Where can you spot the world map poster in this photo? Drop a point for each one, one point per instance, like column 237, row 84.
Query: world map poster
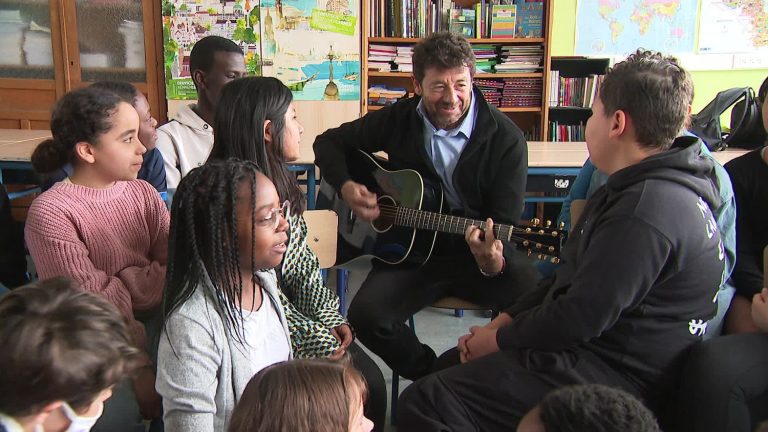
column 733, row 26
column 619, row 27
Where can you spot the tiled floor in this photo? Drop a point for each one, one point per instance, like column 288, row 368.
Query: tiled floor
column 437, row 327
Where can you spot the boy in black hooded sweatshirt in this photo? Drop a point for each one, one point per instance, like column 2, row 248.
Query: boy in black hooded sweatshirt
column 640, row 272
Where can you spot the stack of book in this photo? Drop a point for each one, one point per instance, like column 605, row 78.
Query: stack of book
column 521, row 92
column 380, row 57
column 380, row 94
column 486, row 57
column 403, row 59
column 520, row 59
column 491, row 90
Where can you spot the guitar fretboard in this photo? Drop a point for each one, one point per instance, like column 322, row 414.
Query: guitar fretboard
column 420, row 219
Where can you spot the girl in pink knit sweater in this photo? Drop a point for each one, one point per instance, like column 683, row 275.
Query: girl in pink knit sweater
column 102, row 227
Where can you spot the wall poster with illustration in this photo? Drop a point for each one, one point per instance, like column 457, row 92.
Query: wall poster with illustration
column 311, row 45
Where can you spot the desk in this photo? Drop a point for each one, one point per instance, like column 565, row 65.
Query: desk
column 558, row 163
column 16, row 147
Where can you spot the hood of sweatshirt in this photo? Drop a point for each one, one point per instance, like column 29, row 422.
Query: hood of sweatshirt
column 187, row 116
column 685, row 156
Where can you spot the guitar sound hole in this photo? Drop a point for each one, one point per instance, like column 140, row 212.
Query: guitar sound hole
column 387, row 209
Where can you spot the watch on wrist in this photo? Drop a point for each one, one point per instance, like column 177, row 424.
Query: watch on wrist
column 490, row 275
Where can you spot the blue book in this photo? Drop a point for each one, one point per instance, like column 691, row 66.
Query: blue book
column 530, row 17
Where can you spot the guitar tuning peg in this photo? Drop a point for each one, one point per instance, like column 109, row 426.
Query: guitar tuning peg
column 551, row 249
column 562, row 225
column 530, row 252
column 555, row 234
column 538, row 246
column 548, row 223
column 526, row 243
column 555, row 260
column 541, row 231
column 542, row 257
column 535, row 221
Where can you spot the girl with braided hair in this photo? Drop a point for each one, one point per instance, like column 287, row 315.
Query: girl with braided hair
column 256, row 121
column 223, row 318
column 104, row 229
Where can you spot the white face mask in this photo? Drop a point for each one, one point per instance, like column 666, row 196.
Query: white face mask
column 79, row 423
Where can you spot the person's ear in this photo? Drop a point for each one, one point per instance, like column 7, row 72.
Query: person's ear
column 198, row 78
column 43, row 415
column 417, row 86
column 84, row 151
column 619, row 123
column 268, row 131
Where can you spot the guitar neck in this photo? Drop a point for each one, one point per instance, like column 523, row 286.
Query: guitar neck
column 412, row 218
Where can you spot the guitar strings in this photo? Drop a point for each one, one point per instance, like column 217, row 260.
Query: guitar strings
column 395, row 211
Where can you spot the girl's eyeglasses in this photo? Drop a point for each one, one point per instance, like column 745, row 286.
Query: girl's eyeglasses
column 273, row 217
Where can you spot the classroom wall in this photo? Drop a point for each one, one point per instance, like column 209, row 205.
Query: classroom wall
column 706, row 83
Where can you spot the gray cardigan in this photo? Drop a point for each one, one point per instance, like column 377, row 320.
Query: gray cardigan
column 201, row 369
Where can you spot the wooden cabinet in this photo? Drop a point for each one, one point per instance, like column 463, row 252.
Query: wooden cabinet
column 532, row 119
column 53, row 46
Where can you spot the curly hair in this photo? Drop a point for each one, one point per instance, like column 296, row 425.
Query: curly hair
column 595, row 408
column 442, row 50
column 80, row 115
column 654, row 91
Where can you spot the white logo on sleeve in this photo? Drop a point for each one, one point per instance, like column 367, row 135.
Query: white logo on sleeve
column 697, row 327
column 710, row 225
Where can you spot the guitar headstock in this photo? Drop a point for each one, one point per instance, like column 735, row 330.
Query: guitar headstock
column 541, row 240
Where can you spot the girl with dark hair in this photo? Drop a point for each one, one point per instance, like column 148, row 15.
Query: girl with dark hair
column 103, row 228
column 152, row 169
column 303, row 395
column 256, row 120
column 223, row 318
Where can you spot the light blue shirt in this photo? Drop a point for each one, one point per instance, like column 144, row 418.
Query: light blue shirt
column 444, row 148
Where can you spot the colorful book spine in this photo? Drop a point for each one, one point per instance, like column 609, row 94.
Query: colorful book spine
column 503, row 20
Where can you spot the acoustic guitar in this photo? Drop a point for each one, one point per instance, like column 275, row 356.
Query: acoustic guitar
column 411, row 215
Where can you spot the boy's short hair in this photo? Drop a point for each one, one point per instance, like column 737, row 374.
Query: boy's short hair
column 654, row 91
column 763, row 92
column 595, row 408
column 442, row 50
column 59, row 344
column 204, row 52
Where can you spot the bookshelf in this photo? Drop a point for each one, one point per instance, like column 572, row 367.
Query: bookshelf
column 573, row 86
column 528, row 111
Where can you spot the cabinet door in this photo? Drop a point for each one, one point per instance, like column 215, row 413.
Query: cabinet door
column 114, row 40
column 31, row 67
column 26, row 51
column 110, row 40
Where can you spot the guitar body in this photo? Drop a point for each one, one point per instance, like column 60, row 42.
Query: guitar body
column 359, row 241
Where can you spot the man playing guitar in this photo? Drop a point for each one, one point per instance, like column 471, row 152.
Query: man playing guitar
column 449, row 134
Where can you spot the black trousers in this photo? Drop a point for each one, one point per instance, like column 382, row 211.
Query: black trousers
column 391, row 294
column 375, row 407
column 494, row 392
column 722, row 378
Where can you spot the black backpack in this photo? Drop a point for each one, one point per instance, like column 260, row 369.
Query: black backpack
column 746, row 123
